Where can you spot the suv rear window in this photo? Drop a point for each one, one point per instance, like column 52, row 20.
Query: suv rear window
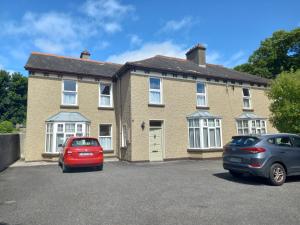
column 243, row 141
column 84, row 142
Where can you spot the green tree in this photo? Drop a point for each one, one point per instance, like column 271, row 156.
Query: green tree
column 6, row 127
column 285, row 105
column 13, row 97
column 279, row 53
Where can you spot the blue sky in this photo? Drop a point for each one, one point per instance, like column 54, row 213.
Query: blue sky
column 124, row 30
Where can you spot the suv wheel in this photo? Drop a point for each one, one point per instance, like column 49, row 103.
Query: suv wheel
column 277, row 174
column 235, row 174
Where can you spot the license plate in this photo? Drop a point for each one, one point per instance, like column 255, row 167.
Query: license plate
column 237, row 160
column 85, row 153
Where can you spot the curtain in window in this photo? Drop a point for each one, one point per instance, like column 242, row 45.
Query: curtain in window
column 155, row 97
column 191, row 137
column 218, row 137
column 200, row 100
column 105, row 100
column 197, row 137
column 69, row 98
column 212, row 138
column 105, row 142
column 205, row 137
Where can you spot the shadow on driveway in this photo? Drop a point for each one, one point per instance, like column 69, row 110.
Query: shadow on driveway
column 252, row 180
column 82, row 170
column 245, row 179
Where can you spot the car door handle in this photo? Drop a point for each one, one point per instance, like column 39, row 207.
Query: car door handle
column 282, row 152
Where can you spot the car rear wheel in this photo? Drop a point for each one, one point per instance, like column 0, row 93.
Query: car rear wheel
column 277, row 174
column 100, row 167
column 235, row 174
column 64, row 168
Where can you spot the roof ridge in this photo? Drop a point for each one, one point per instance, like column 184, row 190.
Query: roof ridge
column 170, row 57
column 79, row 59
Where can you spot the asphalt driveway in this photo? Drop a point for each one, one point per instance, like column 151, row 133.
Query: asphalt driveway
column 178, row 192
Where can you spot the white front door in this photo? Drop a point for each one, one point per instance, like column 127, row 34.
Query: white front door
column 156, row 144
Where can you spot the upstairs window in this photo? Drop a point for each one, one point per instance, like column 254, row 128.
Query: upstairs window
column 105, row 95
column 246, row 98
column 155, row 91
column 69, row 93
column 201, row 94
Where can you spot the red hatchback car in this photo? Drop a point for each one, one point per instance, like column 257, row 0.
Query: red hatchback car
column 81, row 152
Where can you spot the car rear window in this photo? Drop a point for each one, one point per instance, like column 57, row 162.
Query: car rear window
column 243, row 141
column 84, row 142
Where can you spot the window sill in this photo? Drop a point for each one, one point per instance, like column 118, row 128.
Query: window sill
column 156, row 105
column 69, row 106
column 248, row 110
column 202, row 107
column 205, row 150
column 105, row 108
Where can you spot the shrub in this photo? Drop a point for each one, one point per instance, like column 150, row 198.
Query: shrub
column 6, row 127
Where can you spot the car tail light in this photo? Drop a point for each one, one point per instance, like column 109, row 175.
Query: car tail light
column 69, row 151
column 255, row 164
column 254, row 150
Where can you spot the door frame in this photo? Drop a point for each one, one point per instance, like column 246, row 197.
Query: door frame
column 163, row 137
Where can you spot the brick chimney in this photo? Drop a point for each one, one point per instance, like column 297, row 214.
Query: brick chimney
column 85, row 54
column 197, row 55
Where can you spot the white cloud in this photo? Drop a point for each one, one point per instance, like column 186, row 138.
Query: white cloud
column 167, row 48
column 112, row 27
column 107, row 14
column 52, row 32
column 66, row 33
column 176, row 25
column 236, row 59
column 103, row 9
column 135, row 39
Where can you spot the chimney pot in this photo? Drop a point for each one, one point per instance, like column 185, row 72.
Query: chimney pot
column 85, row 54
column 197, row 55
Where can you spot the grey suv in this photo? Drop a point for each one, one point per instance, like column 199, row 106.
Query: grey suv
column 271, row 156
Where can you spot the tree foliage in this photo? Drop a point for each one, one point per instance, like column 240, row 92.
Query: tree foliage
column 285, row 106
column 13, row 97
column 279, row 53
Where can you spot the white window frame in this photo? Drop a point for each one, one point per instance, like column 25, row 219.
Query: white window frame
column 156, row 90
column 201, row 94
column 247, row 98
column 55, row 131
column 253, row 125
column 111, row 135
column 203, row 125
column 63, row 92
column 110, row 94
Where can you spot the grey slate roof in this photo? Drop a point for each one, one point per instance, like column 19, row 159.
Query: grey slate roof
column 53, row 63
column 67, row 65
column 203, row 114
column 182, row 66
column 68, row 117
column 249, row 116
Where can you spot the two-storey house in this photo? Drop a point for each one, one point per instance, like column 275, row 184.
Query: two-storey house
column 160, row 108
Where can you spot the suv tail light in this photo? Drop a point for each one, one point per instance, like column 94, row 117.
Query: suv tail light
column 254, row 150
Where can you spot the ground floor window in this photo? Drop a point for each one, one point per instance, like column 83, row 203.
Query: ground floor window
column 58, row 132
column 204, row 133
column 105, row 136
column 251, row 127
